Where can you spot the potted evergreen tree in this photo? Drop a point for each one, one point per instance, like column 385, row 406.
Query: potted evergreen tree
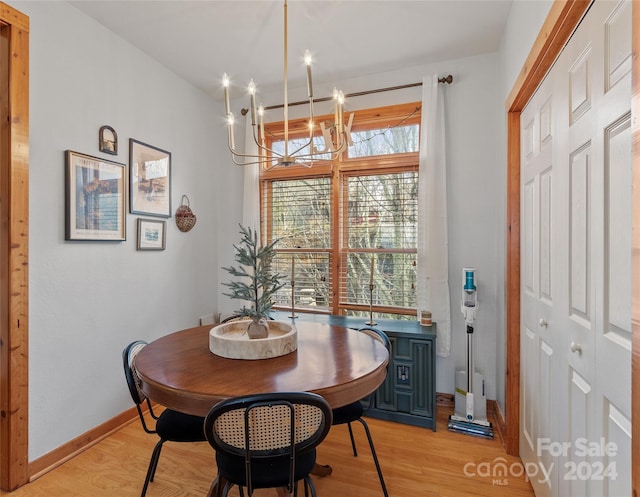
column 255, row 281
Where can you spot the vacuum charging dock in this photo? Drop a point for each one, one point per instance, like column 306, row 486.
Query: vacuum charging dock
column 470, row 417
column 479, row 404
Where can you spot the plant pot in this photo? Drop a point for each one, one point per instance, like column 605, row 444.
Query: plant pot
column 258, row 329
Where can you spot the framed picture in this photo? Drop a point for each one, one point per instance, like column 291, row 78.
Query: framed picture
column 108, row 140
column 95, row 203
column 150, row 183
column 151, row 234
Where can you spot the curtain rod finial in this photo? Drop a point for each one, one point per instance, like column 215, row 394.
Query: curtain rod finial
column 448, row 79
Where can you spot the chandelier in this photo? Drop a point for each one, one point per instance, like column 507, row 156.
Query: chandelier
column 336, row 135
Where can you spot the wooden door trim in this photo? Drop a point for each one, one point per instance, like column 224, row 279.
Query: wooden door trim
column 14, row 231
column 561, row 21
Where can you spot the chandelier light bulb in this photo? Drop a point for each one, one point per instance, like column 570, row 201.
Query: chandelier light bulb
column 261, row 123
column 335, row 107
column 311, row 133
column 307, row 61
column 225, row 84
column 230, row 120
column 252, row 93
column 340, row 112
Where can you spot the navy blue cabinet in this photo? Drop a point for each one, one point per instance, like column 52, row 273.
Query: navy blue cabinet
column 408, row 394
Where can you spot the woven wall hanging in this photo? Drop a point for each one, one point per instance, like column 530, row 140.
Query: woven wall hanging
column 185, row 218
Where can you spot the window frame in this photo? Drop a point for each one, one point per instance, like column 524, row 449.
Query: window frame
column 338, row 171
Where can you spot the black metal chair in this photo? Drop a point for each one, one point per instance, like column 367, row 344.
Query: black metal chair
column 267, row 440
column 354, row 411
column 170, row 425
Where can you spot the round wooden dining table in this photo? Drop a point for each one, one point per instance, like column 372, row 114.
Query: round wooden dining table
column 340, row 364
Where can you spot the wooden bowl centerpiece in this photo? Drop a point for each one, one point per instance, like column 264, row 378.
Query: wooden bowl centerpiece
column 232, row 341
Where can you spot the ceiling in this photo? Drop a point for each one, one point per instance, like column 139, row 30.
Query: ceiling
column 200, row 40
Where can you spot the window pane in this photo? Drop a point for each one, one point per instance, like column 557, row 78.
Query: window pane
column 381, row 222
column 301, row 213
column 300, row 216
column 394, row 279
column 396, row 140
column 383, row 211
column 312, row 282
column 301, row 143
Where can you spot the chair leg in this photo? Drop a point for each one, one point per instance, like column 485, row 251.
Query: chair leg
column 227, row 487
column 308, row 484
column 353, row 441
column 153, row 464
column 214, row 489
column 375, row 456
column 157, row 451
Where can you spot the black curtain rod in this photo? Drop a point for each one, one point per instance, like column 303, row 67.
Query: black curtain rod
column 447, row 79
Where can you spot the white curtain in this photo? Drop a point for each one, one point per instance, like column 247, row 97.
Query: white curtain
column 251, row 197
column 433, row 243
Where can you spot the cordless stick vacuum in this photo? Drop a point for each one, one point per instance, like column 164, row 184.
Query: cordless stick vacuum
column 470, row 405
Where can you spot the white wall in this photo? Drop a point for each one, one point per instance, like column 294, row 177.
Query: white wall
column 89, row 299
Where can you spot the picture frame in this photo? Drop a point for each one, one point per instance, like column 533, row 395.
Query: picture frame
column 150, row 179
column 95, row 198
column 108, row 140
column 152, row 234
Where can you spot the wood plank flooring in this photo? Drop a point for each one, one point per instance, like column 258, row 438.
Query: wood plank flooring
column 415, row 462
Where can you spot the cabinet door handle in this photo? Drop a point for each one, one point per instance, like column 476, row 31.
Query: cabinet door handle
column 543, row 323
column 576, row 347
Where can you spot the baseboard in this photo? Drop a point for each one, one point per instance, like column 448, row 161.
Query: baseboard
column 497, row 418
column 62, row 454
column 446, row 400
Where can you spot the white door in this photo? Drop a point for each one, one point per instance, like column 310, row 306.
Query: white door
column 576, row 372
column 539, row 342
column 614, row 277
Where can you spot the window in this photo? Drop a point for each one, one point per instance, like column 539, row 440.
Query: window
column 336, row 221
column 299, row 211
column 380, row 222
column 388, row 141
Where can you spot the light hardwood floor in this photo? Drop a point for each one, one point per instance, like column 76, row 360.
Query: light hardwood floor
column 415, row 462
